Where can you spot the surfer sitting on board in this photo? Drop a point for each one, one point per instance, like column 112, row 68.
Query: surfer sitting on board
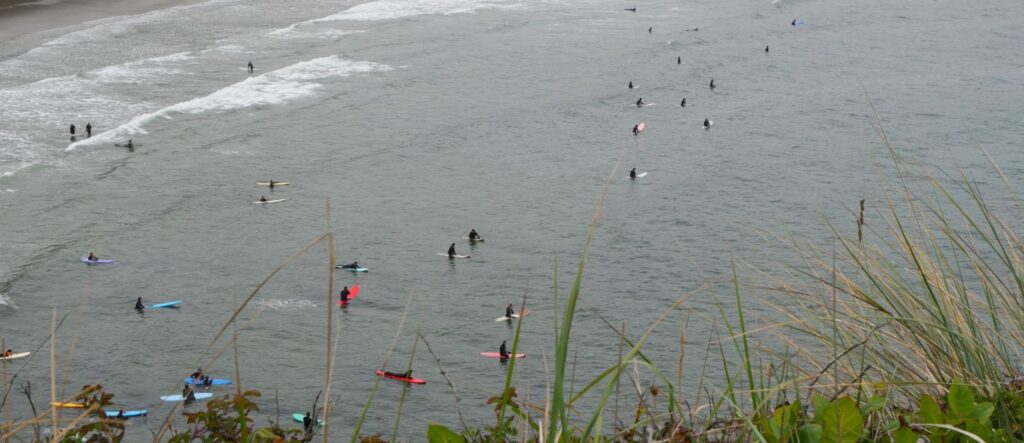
column 636, row 129
column 630, row 85
column 344, row 294
column 712, row 84
column 271, row 181
column 707, row 123
column 473, row 235
column 93, row 257
column 138, row 304
column 197, row 375
column 263, row 199
column 683, row 103
column 502, row 352
column 509, row 311
column 307, row 423
column 640, row 102
column 250, row 67
column 632, row 174
column 207, row 380
column 451, row 251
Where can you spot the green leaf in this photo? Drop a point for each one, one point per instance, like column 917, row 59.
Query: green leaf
column 983, row 411
column 981, row 430
column 809, row 433
column 873, row 404
column 440, row 434
column 266, row 434
column 842, row 422
column 820, row 403
column 904, row 435
column 929, row 412
column 961, row 401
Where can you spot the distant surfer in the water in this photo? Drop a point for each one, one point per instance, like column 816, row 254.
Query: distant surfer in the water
column 188, row 394
column 650, row 30
column 307, row 423
column 271, row 184
column 636, row 129
column 72, row 129
column 640, row 102
column 130, row 145
column 679, row 60
column 683, row 103
column 632, row 176
column 631, row 9
column 712, row 83
column 765, row 48
column 92, row 257
column 138, row 304
column 631, row 85
column 451, row 251
column 263, row 199
column 509, row 311
column 251, row 68
column 502, row 352
column 473, row 236
column 88, row 129
column 353, row 265
column 794, row 22
column 344, row 295
column 707, row 123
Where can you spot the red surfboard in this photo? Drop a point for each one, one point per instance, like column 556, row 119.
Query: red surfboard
column 416, row 381
column 497, row 355
column 352, row 293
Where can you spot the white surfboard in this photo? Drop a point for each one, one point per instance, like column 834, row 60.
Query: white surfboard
column 641, row 175
column 18, row 355
column 643, row 105
column 454, row 256
column 269, row 201
column 521, row 314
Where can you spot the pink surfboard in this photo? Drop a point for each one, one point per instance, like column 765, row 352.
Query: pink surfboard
column 497, row 355
column 640, row 128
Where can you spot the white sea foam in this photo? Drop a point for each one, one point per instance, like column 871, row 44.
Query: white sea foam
column 6, row 302
column 273, row 88
column 394, row 9
column 277, row 304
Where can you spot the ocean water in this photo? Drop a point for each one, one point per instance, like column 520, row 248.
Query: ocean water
column 422, row 119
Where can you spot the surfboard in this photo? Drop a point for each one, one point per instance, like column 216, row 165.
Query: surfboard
column 641, row 175
column 352, row 293
column 67, row 404
column 269, row 201
column 168, row 304
column 454, row 256
column 360, row 269
column 216, row 381
column 643, row 105
column 497, row 355
column 14, row 356
column 127, row 414
column 178, row 397
column 300, row 417
column 415, row 381
column 275, row 183
column 640, row 128
column 96, row 262
column 473, row 240
column 521, row 314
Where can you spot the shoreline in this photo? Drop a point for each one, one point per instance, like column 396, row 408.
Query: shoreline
column 22, row 19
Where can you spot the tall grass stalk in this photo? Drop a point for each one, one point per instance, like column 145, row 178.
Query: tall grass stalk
column 328, row 349
column 405, row 388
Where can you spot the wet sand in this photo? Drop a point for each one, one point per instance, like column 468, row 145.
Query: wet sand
column 21, row 18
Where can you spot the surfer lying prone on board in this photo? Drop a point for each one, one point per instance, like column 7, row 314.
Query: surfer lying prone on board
column 353, row 265
column 8, row 353
column 406, row 374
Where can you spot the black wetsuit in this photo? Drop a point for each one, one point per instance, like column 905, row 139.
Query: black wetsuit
column 344, row 294
column 451, row 251
column 138, row 305
column 473, row 235
column 632, row 174
column 72, row 129
column 502, row 351
column 307, row 423
column 88, row 129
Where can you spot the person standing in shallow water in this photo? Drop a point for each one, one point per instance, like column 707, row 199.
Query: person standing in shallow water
column 632, row 174
column 72, row 129
column 251, row 68
column 88, row 129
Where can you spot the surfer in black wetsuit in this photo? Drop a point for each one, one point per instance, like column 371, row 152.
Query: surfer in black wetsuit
column 250, row 67
column 307, row 423
column 473, row 236
column 88, row 129
column 353, row 265
column 188, row 394
column 271, row 184
column 630, row 85
column 707, row 123
column 712, row 83
column 636, row 129
column 502, row 352
column 92, row 257
column 344, row 295
column 679, row 60
column 632, row 176
column 451, row 251
column 130, row 146
column 207, row 380
column 765, row 48
column 650, row 30
column 794, row 22
column 195, row 376
column 138, row 304
column 509, row 311
column 120, row 413
column 640, row 102
column 631, row 9
column 263, row 199
column 72, row 129
column 683, row 103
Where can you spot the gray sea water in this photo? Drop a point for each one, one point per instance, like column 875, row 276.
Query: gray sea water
column 421, row 119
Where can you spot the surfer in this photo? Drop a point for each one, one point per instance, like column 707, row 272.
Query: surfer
column 8, row 353
column 92, row 257
column 307, row 423
column 631, row 9
column 630, row 85
column 640, row 102
column 130, row 146
column 679, row 60
column 636, row 129
column 138, row 304
column 263, row 199
column 650, row 30
column 632, row 176
column 712, row 84
column 683, row 103
column 509, row 311
column 196, row 375
column 473, row 236
column 207, row 380
column 72, row 129
column 766, row 48
column 794, row 22
column 250, row 67
column 188, row 394
column 344, row 294
column 707, row 123
column 353, row 265
column 502, row 352
column 451, row 251
column 88, row 129
column 271, row 184
column 120, row 413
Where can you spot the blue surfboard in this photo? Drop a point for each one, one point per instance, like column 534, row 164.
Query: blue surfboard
column 168, row 304
column 127, row 414
column 216, row 381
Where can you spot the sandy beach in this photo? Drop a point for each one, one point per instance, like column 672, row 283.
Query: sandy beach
column 20, row 18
